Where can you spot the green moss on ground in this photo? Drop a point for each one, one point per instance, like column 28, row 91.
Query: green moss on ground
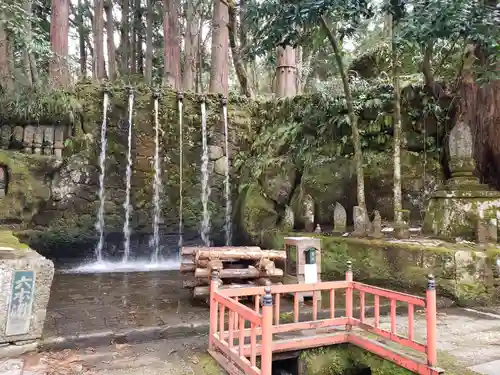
column 7, row 239
column 346, row 359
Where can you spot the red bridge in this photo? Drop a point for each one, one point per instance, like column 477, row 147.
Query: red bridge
column 239, row 334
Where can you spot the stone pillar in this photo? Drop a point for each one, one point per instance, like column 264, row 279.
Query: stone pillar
column 38, row 140
column 5, row 136
column 286, row 72
column 18, row 135
column 29, row 135
column 22, row 269
column 48, row 139
column 59, row 141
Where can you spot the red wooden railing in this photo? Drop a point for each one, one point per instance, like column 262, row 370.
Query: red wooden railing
column 247, row 333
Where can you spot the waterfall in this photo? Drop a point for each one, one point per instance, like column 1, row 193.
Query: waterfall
column 227, row 183
column 127, row 205
column 102, row 159
column 180, row 105
column 156, row 188
column 205, row 188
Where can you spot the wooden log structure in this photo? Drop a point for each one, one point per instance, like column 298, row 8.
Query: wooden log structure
column 191, row 250
column 236, row 267
column 240, row 254
column 238, row 273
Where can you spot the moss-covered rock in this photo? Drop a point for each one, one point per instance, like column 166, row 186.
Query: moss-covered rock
column 28, row 186
column 462, row 273
column 255, row 213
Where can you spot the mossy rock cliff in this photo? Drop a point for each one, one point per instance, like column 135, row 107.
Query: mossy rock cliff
column 277, row 149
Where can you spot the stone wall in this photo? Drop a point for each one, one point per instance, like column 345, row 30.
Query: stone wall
column 281, row 152
column 464, row 274
column 70, row 210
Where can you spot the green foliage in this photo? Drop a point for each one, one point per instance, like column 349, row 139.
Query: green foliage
column 310, row 125
column 37, row 104
column 296, row 21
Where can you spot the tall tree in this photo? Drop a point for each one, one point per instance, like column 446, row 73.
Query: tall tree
column 59, row 34
column 138, row 32
column 188, row 78
column 110, row 34
column 125, row 37
column 82, row 33
column 238, row 62
column 172, row 49
column 98, row 63
column 285, row 22
column 219, row 67
column 6, row 78
column 148, row 70
column 393, row 16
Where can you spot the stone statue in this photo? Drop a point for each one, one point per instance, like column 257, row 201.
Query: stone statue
column 289, row 218
column 339, row 218
column 360, row 218
column 308, row 206
column 5, row 136
column 38, row 140
column 18, row 135
column 318, row 229
column 58, row 141
column 48, row 139
column 461, row 148
column 29, row 134
column 377, row 225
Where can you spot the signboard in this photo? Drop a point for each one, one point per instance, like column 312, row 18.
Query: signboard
column 21, row 303
column 310, row 273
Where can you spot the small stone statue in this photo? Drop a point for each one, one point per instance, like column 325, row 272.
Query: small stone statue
column 318, row 229
column 377, row 225
column 339, row 218
column 493, row 230
column 5, row 136
column 58, row 141
column 308, row 206
column 38, row 140
column 18, row 136
column 48, row 139
column 29, row 134
column 360, row 219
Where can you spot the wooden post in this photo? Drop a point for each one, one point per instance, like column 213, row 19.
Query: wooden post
column 348, row 296
column 214, row 285
column 286, row 72
column 431, row 314
column 267, row 335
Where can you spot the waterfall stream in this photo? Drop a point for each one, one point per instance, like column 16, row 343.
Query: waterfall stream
column 102, row 159
column 205, row 188
column 127, row 206
column 157, row 187
column 180, row 106
column 227, row 183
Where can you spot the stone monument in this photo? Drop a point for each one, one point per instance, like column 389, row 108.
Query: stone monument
column 455, row 208
column 25, row 281
column 339, row 218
